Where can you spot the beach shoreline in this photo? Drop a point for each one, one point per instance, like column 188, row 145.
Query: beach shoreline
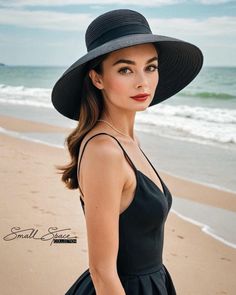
column 198, row 263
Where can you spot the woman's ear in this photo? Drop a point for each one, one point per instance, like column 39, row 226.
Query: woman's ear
column 96, row 79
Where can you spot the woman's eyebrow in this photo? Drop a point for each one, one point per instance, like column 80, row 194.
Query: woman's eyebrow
column 127, row 61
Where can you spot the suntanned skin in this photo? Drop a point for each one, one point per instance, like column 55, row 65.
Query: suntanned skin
column 106, row 178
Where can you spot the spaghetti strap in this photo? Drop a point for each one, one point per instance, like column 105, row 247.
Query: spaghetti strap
column 126, row 155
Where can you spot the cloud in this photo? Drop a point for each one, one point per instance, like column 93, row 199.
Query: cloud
column 19, row 3
column 150, row 3
column 45, row 19
column 212, row 26
column 213, row 2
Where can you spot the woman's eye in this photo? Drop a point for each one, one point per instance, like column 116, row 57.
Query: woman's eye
column 123, row 70
column 154, row 68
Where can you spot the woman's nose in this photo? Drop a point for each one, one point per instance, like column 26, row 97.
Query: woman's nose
column 141, row 80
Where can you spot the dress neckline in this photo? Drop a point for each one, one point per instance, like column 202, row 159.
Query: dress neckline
column 150, row 180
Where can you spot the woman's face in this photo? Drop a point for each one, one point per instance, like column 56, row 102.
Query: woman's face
column 128, row 72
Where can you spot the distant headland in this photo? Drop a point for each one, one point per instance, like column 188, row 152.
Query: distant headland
column 1, row 64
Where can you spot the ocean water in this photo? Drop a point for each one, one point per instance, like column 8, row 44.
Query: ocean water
column 204, row 111
column 200, row 119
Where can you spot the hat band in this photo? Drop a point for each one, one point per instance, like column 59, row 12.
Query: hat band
column 119, row 32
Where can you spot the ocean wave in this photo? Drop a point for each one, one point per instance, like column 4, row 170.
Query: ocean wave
column 216, row 115
column 21, row 95
column 206, row 229
column 205, row 123
column 205, row 94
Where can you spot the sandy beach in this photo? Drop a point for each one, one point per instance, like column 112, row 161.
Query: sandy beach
column 34, row 198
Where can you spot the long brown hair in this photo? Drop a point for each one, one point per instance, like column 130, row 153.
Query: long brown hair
column 91, row 109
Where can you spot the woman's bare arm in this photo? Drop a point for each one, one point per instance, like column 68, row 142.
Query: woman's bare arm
column 102, row 184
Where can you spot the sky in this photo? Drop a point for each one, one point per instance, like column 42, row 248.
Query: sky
column 43, row 32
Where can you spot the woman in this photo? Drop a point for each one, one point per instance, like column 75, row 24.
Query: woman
column 127, row 69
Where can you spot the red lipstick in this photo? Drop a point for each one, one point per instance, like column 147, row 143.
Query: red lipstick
column 140, row 97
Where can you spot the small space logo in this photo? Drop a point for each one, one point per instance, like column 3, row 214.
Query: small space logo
column 53, row 234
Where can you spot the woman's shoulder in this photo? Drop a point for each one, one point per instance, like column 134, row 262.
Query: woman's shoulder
column 100, row 145
column 96, row 136
column 101, row 155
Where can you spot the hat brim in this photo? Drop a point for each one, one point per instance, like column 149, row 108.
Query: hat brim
column 179, row 63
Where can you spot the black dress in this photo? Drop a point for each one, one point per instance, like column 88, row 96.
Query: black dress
column 141, row 234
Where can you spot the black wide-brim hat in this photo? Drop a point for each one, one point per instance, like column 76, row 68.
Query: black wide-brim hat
column 179, row 61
